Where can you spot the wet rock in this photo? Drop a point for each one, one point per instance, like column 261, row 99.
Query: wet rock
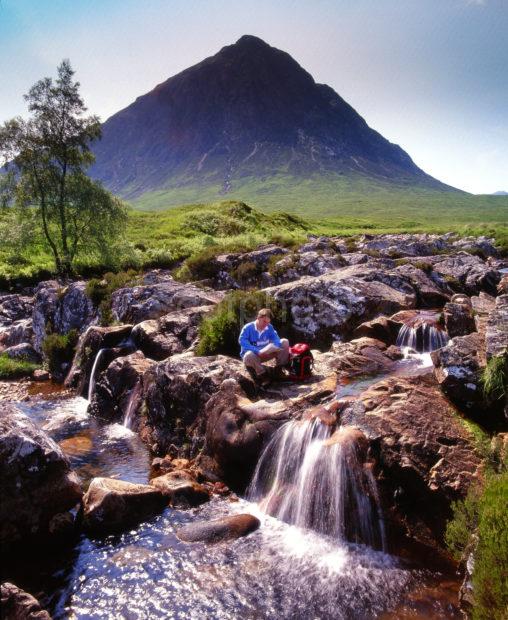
column 111, row 505
column 119, row 387
column 381, row 328
column 458, row 316
column 457, row 368
column 141, row 303
column 172, row 333
column 421, row 446
column 60, row 309
column 23, row 351
column 176, row 391
column 90, row 343
column 37, row 482
column 20, row 605
column 331, row 306
column 218, row 530
column 181, row 489
column 496, row 336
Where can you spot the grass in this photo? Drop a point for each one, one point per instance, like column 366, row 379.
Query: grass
column 15, row 368
column 495, row 378
column 165, row 238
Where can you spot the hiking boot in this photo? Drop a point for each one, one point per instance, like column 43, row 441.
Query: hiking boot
column 278, row 374
column 263, row 380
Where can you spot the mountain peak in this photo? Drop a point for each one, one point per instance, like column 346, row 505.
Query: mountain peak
column 250, row 40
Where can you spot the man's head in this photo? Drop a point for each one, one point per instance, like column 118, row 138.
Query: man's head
column 264, row 317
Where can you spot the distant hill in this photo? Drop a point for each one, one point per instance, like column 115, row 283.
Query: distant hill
column 249, row 122
column 500, row 194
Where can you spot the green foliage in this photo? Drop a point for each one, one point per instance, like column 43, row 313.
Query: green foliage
column 464, row 522
column 53, row 203
column 495, row 378
column 219, row 331
column 247, row 272
column 199, row 266
column 59, row 349
column 100, row 291
column 15, row 368
column 277, row 270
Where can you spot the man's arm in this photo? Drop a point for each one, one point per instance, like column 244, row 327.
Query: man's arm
column 244, row 341
column 274, row 337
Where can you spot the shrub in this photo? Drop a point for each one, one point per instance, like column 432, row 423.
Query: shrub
column 219, row 331
column 100, row 291
column 495, row 378
column 59, row 349
column 14, row 368
column 246, row 272
column 199, row 266
column 278, row 270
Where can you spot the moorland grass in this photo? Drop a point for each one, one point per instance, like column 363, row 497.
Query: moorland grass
column 15, row 368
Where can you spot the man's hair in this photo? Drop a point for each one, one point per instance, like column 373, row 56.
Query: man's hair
column 265, row 312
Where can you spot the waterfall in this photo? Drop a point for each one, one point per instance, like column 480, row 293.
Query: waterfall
column 91, row 383
column 314, row 479
column 423, row 339
column 129, row 412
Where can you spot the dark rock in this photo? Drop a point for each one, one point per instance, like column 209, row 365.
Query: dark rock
column 172, row 333
column 381, row 328
column 15, row 308
column 218, row 530
column 20, row 605
column 111, row 505
column 90, row 343
column 181, row 489
column 37, row 482
column 430, row 295
column 141, row 303
column 465, row 273
column 23, row 351
column 458, row 317
column 496, row 336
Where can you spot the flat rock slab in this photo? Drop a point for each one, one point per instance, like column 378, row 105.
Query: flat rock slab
column 219, row 530
column 111, row 506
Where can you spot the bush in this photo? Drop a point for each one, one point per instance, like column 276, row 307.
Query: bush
column 246, row 272
column 59, row 349
column 15, row 368
column 199, row 266
column 219, row 331
column 100, row 291
column 495, row 378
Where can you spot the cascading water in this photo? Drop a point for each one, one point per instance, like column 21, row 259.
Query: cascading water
column 91, row 383
column 423, row 338
column 314, row 479
column 129, row 412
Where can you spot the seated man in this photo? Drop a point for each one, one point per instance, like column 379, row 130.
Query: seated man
column 260, row 343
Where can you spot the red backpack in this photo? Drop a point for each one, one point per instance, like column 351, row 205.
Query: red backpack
column 301, row 362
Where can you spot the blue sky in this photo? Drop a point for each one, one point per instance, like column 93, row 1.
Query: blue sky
column 430, row 75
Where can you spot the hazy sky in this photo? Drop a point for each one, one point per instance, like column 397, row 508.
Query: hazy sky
column 430, row 75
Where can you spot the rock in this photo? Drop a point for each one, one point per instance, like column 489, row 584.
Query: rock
column 427, row 457
column 483, row 306
column 119, row 387
column 218, row 530
column 16, row 333
column 502, row 287
column 40, row 375
column 465, row 273
column 172, row 333
column 111, row 505
column 37, row 482
column 430, row 295
column 293, row 266
column 141, row 303
column 381, row 328
column 175, row 392
column 181, row 489
column 15, row 308
column 496, row 336
column 362, row 356
column 90, row 343
column 458, row 317
column 331, row 306
column 23, row 351
column 20, row 605
column 457, row 368
column 61, row 309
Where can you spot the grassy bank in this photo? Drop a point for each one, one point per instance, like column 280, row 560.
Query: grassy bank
column 163, row 238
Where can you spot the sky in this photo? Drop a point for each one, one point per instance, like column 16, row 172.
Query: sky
column 429, row 75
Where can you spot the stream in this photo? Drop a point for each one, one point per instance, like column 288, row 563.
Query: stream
column 283, row 570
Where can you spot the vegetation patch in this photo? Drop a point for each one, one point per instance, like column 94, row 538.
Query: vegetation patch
column 495, row 378
column 219, row 331
column 100, row 291
column 59, row 349
column 15, row 368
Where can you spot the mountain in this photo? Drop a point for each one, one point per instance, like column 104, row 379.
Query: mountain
column 501, row 193
column 248, row 119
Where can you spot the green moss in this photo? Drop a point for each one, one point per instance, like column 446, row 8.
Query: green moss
column 59, row 349
column 15, row 368
column 219, row 331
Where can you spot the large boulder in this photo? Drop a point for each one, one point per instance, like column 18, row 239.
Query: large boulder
column 175, row 392
column 466, row 273
column 61, row 308
column 458, row 316
column 16, row 333
column 15, row 320
column 111, row 506
column 431, row 294
column 219, row 530
column 427, row 457
column 172, row 333
column 181, row 489
column 20, row 605
column 37, row 483
column 117, row 389
column 90, row 343
column 23, row 351
column 309, row 263
column 380, row 328
column 141, row 303
column 457, row 368
column 362, row 356
column 329, row 307
column 496, row 336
